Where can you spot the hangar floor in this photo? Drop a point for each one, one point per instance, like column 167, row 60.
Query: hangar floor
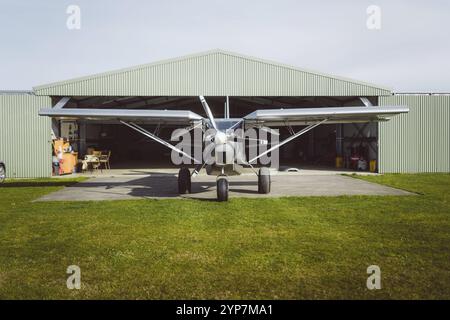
column 135, row 184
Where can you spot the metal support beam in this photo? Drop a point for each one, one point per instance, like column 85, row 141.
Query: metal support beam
column 227, row 108
column 339, row 139
column 61, row 103
column 366, row 101
column 82, row 136
column 56, row 132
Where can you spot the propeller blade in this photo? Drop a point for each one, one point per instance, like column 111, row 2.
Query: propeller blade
column 208, row 112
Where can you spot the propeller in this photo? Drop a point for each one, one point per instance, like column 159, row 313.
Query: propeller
column 208, row 112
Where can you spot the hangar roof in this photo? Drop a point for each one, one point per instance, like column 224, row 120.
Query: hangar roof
column 212, row 73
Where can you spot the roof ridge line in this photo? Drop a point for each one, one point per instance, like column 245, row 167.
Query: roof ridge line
column 309, row 71
column 205, row 53
column 127, row 69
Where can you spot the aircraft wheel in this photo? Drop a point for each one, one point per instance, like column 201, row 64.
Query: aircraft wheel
column 222, row 188
column 264, row 180
column 184, row 181
column 2, row 173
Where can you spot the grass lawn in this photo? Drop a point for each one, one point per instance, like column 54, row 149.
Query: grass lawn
column 282, row 248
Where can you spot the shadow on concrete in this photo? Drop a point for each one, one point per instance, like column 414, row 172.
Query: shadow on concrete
column 165, row 185
column 157, row 184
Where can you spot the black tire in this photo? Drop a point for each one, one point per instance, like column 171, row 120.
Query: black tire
column 264, row 181
column 2, row 173
column 222, row 188
column 184, row 181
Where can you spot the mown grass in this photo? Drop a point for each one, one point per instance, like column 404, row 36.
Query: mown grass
column 281, row 248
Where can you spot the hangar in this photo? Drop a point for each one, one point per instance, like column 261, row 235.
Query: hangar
column 415, row 142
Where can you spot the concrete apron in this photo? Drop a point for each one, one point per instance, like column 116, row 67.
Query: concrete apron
column 156, row 183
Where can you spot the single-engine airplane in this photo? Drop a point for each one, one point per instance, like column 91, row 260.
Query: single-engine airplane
column 226, row 156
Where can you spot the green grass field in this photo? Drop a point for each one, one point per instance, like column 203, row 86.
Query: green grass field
column 281, row 248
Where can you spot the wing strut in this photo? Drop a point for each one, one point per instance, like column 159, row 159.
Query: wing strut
column 303, row 131
column 157, row 139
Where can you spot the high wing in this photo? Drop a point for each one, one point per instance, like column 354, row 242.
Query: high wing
column 129, row 117
column 306, row 116
column 313, row 117
column 176, row 117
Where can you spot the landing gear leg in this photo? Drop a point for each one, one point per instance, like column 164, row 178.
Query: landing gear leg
column 264, row 180
column 184, row 181
column 222, row 188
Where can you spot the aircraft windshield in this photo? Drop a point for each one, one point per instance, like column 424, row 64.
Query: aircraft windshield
column 223, row 125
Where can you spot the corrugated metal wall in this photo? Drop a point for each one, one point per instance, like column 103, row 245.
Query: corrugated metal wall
column 418, row 141
column 25, row 138
column 215, row 73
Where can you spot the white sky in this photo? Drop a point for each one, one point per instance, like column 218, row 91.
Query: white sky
column 410, row 53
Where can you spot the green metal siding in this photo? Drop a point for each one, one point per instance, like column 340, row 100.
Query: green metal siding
column 418, row 141
column 214, row 73
column 25, row 138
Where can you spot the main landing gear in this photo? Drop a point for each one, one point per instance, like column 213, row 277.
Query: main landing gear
column 263, row 184
column 264, row 180
column 184, row 181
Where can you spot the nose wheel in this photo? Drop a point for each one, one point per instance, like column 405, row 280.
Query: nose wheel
column 184, row 181
column 222, row 188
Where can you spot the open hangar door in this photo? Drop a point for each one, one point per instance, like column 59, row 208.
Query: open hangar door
column 332, row 146
column 319, row 148
column 127, row 148
column 352, row 146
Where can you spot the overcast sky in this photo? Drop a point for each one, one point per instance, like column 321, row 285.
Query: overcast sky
column 411, row 51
